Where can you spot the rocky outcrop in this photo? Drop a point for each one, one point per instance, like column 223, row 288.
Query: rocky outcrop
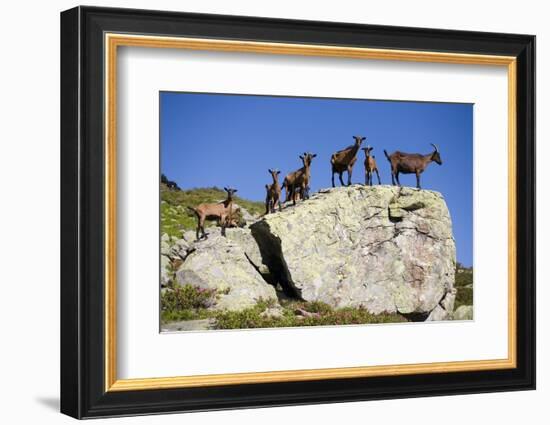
column 222, row 264
column 384, row 248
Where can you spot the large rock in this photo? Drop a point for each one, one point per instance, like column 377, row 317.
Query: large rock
column 384, row 248
column 220, row 263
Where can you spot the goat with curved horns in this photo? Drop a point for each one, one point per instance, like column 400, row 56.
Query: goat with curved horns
column 409, row 163
column 221, row 211
column 344, row 160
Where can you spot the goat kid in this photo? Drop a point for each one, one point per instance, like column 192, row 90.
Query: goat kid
column 273, row 192
column 411, row 163
column 221, row 211
column 370, row 166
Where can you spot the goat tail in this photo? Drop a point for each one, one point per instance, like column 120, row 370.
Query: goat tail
column 387, row 156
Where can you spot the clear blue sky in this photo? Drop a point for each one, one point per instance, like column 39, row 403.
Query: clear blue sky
column 231, row 140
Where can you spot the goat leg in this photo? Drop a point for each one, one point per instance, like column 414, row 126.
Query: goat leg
column 223, row 222
column 418, row 180
column 341, row 180
column 349, row 176
column 333, row 178
column 377, row 175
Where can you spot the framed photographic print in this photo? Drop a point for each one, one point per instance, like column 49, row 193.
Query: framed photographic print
column 261, row 212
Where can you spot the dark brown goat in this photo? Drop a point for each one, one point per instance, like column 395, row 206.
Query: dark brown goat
column 299, row 180
column 370, row 166
column 221, row 211
column 411, row 163
column 344, row 160
column 273, row 195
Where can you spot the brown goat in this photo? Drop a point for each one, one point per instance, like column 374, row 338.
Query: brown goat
column 411, row 163
column 344, row 160
column 370, row 166
column 273, row 196
column 221, row 211
column 299, row 179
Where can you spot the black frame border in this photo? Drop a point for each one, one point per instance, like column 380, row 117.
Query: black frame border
column 82, row 208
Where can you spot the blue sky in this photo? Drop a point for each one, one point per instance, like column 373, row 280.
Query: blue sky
column 231, row 140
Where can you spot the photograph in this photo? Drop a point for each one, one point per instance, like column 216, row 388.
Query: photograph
column 282, row 212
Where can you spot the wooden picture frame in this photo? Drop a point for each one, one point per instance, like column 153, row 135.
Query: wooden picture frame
column 90, row 38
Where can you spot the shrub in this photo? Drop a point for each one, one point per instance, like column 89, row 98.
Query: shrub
column 464, row 296
column 186, row 302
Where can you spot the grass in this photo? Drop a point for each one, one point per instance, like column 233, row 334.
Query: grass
column 177, row 218
column 190, row 303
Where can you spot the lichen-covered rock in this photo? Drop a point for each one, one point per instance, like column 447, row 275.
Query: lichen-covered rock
column 244, row 238
column 220, row 263
column 384, row 248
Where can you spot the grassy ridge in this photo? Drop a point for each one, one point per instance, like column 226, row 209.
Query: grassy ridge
column 176, row 217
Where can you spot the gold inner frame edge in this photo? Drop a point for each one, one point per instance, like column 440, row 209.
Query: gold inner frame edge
column 113, row 41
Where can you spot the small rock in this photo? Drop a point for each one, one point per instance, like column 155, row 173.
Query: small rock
column 189, row 325
column 464, row 312
column 305, row 313
column 165, row 271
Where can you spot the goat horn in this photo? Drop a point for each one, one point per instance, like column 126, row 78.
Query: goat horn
column 435, row 147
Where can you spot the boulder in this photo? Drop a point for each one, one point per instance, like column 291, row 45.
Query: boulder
column 385, row 248
column 222, row 264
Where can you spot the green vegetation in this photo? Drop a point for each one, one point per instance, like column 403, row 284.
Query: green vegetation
column 321, row 314
column 190, row 303
column 186, row 303
column 176, row 217
column 464, row 281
